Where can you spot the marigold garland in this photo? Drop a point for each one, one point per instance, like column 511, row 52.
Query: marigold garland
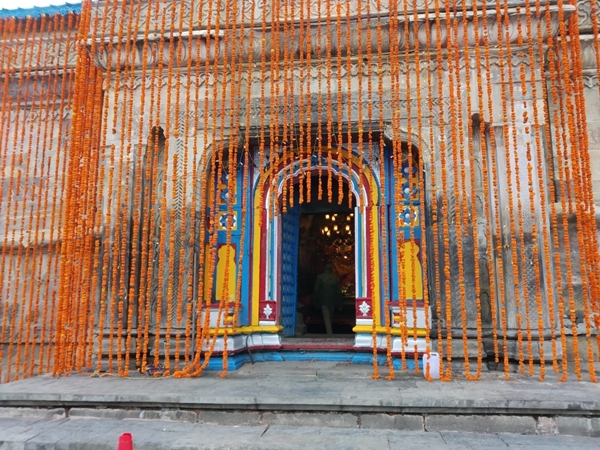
column 133, row 151
column 447, row 373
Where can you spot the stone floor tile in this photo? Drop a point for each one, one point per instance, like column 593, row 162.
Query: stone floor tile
column 433, row 447
column 29, row 428
column 293, row 438
column 416, row 437
column 472, row 440
column 516, row 440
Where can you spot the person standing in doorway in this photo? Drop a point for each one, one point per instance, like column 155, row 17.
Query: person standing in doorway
column 327, row 295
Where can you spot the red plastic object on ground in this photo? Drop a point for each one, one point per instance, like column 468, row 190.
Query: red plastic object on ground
column 125, row 442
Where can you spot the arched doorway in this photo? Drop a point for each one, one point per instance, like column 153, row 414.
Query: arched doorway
column 387, row 272
column 317, row 235
column 276, row 235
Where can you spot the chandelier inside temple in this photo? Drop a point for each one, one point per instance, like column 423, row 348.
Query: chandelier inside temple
column 337, row 234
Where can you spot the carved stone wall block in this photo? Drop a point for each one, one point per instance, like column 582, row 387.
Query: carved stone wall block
column 589, row 56
column 586, row 15
column 41, row 53
column 208, row 45
column 190, row 13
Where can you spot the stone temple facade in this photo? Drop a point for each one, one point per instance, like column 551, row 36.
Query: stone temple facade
column 158, row 159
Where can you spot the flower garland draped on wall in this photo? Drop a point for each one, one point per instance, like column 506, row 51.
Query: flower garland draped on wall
column 124, row 126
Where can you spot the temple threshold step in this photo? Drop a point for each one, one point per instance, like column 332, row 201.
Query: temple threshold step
column 318, row 343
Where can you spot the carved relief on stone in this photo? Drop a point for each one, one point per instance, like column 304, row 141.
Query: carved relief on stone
column 177, row 51
column 590, row 81
column 178, row 81
column 41, row 54
column 184, row 13
column 40, row 116
column 182, row 81
column 115, row 16
column 589, row 58
column 151, row 215
column 584, row 12
column 39, row 90
column 203, row 13
column 205, row 45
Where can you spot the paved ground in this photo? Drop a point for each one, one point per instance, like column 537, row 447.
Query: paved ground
column 299, row 405
column 314, row 386
column 100, row 434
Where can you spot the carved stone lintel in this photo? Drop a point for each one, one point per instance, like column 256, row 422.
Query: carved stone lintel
column 294, row 115
column 41, row 54
column 39, row 116
column 250, row 44
column 186, row 13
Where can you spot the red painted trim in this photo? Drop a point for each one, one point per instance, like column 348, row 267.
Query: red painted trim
column 359, row 301
column 261, row 310
column 263, row 251
column 250, row 259
column 368, row 249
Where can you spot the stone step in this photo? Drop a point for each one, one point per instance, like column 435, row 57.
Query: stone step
column 103, row 434
column 310, row 393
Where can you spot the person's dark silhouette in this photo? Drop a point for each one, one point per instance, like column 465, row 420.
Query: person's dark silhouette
column 327, row 294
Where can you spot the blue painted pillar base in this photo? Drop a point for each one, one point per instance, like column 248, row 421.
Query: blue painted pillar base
column 235, row 362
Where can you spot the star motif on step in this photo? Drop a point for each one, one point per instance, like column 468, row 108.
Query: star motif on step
column 267, row 311
column 364, row 308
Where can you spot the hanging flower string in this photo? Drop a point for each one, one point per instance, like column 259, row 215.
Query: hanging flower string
column 141, row 142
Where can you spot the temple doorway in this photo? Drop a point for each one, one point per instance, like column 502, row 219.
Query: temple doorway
column 291, row 246
column 325, row 243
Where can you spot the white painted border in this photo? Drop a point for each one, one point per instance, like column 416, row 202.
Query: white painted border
column 273, row 252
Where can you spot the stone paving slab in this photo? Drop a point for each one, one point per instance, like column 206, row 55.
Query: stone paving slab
column 312, row 386
column 101, row 434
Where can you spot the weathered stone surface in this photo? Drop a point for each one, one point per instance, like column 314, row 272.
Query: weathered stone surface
column 44, row 413
column 289, row 437
column 122, row 414
column 230, row 417
column 320, row 387
column 533, row 441
column 173, row 415
column 471, row 440
column 578, row 426
column 546, row 425
column 458, row 348
column 480, row 424
column 389, row 421
column 400, row 439
column 335, row 420
column 100, row 434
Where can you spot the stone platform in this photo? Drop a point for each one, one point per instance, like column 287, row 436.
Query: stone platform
column 319, row 394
